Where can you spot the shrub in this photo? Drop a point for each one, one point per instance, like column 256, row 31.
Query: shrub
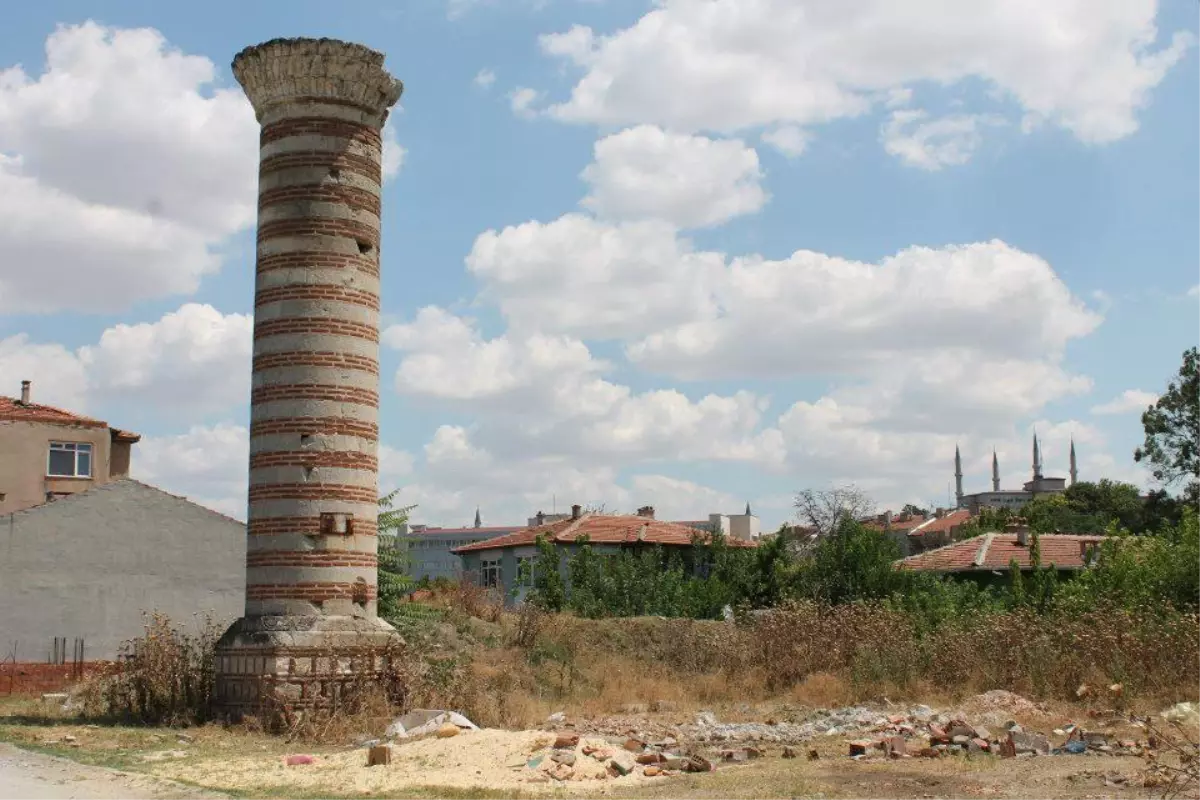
column 164, row 677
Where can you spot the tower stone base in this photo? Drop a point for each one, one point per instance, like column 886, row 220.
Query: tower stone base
column 269, row 665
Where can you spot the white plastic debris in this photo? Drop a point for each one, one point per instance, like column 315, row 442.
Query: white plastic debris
column 423, row 721
column 1183, row 714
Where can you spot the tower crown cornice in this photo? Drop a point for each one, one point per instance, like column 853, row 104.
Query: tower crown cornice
column 283, row 72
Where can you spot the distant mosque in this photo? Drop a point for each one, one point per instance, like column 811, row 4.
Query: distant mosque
column 1012, row 499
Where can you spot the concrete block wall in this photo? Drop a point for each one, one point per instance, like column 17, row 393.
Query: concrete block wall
column 89, row 565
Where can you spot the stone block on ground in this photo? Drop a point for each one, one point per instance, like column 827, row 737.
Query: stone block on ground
column 634, row 745
column 789, row 752
column 698, row 764
column 563, row 757
column 379, row 755
column 652, row 771
column 298, row 760
column 1029, row 743
column 649, row 758
column 566, row 740
column 621, row 763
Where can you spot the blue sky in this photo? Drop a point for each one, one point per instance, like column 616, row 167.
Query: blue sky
column 590, row 293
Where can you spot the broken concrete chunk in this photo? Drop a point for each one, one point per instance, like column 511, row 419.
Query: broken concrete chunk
column 622, row 763
column 652, row 771
column 566, row 740
column 1029, row 743
column 424, row 721
column 634, row 745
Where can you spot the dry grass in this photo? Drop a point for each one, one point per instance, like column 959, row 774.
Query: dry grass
column 533, row 664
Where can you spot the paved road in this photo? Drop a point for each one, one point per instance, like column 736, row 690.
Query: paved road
column 26, row 775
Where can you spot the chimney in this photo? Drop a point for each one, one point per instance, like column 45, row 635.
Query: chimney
column 25, row 393
column 576, row 510
column 646, row 511
column 541, row 519
column 941, row 512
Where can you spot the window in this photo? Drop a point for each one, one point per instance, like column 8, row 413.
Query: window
column 525, row 566
column 489, row 572
column 69, row 460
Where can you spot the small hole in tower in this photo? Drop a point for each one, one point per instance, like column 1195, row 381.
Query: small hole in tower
column 364, row 247
column 335, row 173
column 359, row 593
column 305, row 438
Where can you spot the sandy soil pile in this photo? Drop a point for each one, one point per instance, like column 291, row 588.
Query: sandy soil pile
column 492, row 759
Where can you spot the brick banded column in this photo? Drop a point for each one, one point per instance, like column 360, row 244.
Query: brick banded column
column 315, row 392
column 311, row 627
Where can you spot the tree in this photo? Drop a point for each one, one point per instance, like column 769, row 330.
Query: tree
column 852, row 563
column 824, row 510
column 915, row 510
column 394, row 580
column 1172, row 427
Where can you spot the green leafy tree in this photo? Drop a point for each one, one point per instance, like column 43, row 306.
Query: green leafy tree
column 393, row 575
column 548, row 590
column 1107, row 502
column 855, row 563
column 1172, row 428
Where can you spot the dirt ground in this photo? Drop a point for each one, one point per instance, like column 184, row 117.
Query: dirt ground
column 496, row 763
column 26, row 775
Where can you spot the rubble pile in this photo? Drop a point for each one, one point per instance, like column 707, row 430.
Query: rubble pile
column 940, row 735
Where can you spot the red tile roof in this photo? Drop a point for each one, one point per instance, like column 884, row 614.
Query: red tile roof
column 897, row 524
column 994, row 551
column 470, row 529
column 943, row 525
column 602, row 529
column 14, row 410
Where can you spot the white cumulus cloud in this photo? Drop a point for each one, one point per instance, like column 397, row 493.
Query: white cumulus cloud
column 1127, row 402
column 729, row 65
column 689, row 181
column 126, row 168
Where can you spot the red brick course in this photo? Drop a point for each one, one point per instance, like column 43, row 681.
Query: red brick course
column 320, row 226
column 322, row 358
column 312, row 491
column 312, row 391
column 317, row 291
column 340, row 327
column 322, row 159
column 315, row 592
column 310, row 525
column 314, row 458
column 310, row 558
column 351, row 196
column 320, row 126
column 329, row 426
column 317, row 259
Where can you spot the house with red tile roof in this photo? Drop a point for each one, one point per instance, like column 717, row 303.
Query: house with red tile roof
column 47, row 452
column 988, row 555
column 506, row 562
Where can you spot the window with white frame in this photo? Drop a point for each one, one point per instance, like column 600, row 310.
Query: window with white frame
column 489, row 572
column 69, row 460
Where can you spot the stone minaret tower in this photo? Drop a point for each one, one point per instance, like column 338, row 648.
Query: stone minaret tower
column 1074, row 468
column 311, row 544
column 958, row 476
column 995, row 471
column 1037, row 459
